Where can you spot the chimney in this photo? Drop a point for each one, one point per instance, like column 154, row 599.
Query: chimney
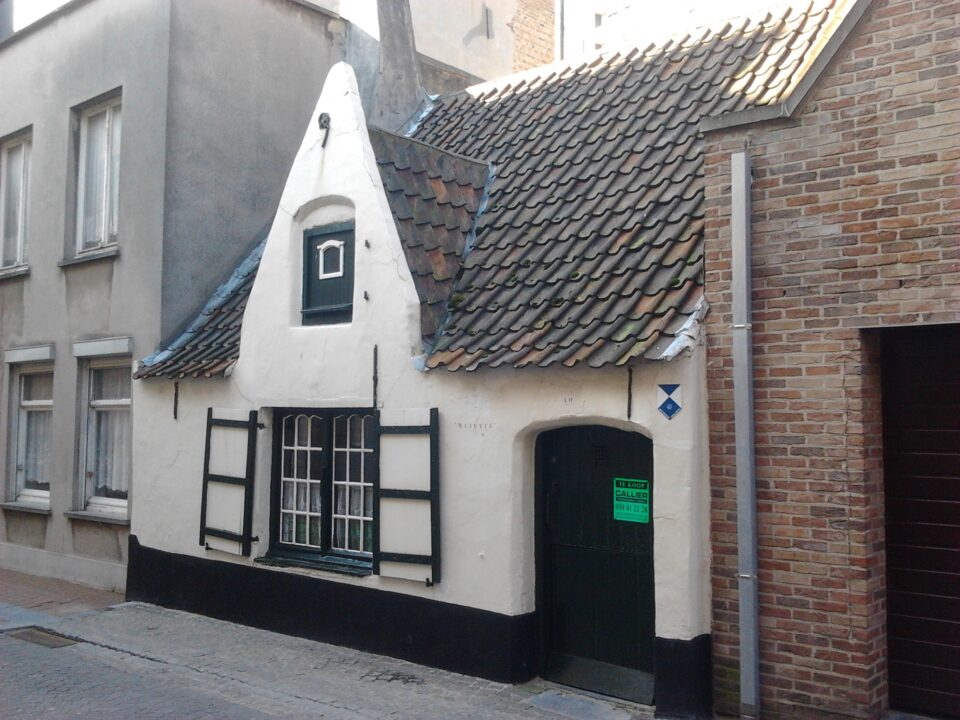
column 6, row 19
column 398, row 93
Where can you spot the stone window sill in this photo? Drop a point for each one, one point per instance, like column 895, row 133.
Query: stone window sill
column 30, row 508
column 98, row 517
column 16, row 271
column 109, row 253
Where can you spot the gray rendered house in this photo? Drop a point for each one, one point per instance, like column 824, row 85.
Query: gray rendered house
column 143, row 148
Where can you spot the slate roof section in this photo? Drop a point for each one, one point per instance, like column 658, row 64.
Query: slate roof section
column 211, row 343
column 434, row 197
column 591, row 247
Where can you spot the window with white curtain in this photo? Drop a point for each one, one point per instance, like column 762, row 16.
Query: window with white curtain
column 106, row 436
column 323, row 486
column 352, row 509
column 98, row 172
column 14, row 191
column 30, row 433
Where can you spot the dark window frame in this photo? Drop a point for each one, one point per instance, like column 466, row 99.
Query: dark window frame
column 339, row 309
column 327, row 557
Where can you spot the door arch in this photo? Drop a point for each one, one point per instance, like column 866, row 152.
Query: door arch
column 594, row 546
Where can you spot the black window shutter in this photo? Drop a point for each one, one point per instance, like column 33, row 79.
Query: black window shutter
column 244, row 538
column 384, row 554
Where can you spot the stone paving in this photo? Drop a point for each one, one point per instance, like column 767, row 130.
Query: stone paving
column 135, row 660
column 27, row 599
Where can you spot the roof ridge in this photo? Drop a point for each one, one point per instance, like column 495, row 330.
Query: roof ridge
column 407, row 138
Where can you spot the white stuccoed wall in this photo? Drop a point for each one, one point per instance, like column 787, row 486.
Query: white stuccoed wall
column 489, row 419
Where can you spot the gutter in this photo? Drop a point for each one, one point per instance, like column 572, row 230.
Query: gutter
column 742, row 336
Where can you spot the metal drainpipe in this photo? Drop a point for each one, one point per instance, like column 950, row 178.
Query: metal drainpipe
column 743, row 429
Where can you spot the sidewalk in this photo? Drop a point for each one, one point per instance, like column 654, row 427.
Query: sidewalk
column 96, row 659
column 29, row 600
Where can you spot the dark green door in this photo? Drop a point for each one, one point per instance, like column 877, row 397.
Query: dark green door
column 595, row 560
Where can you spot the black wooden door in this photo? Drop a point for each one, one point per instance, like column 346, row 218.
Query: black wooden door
column 595, row 560
column 921, row 417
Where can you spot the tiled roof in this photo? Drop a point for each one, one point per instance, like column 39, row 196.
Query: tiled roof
column 434, row 196
column 211, row 343
column 590, row 249
column 581, row 241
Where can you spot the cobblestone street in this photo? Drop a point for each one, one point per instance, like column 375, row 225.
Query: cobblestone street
column 72, row 652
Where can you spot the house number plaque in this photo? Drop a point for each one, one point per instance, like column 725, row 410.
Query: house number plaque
column 631, row 500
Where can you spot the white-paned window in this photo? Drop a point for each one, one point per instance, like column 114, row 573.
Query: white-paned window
column 352, row 485
column 98, row 171
column 324, row 485
column 302, row 478
column 106, row 436
column 14, row 194
column 30, row 433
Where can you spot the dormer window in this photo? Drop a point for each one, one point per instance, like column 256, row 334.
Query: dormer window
column 328, row 275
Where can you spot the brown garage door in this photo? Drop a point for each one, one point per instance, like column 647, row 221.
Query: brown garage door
column 921, row 416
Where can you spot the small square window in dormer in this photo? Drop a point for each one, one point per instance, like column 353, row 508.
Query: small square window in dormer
column 328, row 275
column 330, row 259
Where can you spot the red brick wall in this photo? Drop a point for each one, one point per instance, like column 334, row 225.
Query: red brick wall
column 533, row 34
column 856, row 225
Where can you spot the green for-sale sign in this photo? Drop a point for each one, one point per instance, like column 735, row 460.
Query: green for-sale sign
column 631, row 500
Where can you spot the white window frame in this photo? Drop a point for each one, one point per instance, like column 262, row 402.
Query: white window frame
column 312, row 486
column 24, row 140
column 321, row 252
column 88, row 500
column 361, row 455
column 19, row 410
column 108, row 213
column 308, row 480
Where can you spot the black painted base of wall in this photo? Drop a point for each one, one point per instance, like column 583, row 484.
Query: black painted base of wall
column 683, row 686
column 452, row 637
column 474, row 642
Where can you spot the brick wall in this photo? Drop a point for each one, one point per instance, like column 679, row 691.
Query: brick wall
column 533, row 34
column 856, row 225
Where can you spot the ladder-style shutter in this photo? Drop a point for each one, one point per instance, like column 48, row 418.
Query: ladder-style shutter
column 226, row 506
column 407, row 501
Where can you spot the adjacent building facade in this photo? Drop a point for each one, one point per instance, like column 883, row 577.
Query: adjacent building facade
column 124, row 113
column 856, row 330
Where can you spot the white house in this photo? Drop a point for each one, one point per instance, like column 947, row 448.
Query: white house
column 466, row 597
column 452, row 406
